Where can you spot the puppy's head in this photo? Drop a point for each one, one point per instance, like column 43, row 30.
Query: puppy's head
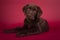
column 32, row 11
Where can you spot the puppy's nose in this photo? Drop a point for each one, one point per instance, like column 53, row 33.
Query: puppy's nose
column 31, row 11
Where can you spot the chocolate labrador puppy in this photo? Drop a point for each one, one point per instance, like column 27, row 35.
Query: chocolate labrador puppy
column 33, row 23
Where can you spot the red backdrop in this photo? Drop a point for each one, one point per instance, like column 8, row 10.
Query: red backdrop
column 12, row 15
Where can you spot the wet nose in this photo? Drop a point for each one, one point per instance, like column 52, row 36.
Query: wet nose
column 31, row 11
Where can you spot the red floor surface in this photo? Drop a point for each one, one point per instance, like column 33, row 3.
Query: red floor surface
column 53, row 34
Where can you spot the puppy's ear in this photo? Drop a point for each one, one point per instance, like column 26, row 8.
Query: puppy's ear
column 39, row 12
column 25, row 8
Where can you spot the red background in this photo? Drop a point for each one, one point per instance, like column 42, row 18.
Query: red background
column 12, row 16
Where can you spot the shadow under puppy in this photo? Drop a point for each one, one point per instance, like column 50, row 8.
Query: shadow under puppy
column 33, row 23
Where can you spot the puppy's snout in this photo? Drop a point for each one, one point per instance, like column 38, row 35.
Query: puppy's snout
column 31, row 11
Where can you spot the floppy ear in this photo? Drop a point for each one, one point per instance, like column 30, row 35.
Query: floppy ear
column 39, row 12
column 25, row 8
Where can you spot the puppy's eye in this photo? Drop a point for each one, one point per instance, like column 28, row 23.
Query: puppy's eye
column 34, row 9
column 30, row 8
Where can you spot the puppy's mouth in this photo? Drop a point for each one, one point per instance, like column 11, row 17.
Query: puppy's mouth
column 32, row 17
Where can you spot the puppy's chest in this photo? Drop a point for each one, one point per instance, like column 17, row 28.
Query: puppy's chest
column 32, row 23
